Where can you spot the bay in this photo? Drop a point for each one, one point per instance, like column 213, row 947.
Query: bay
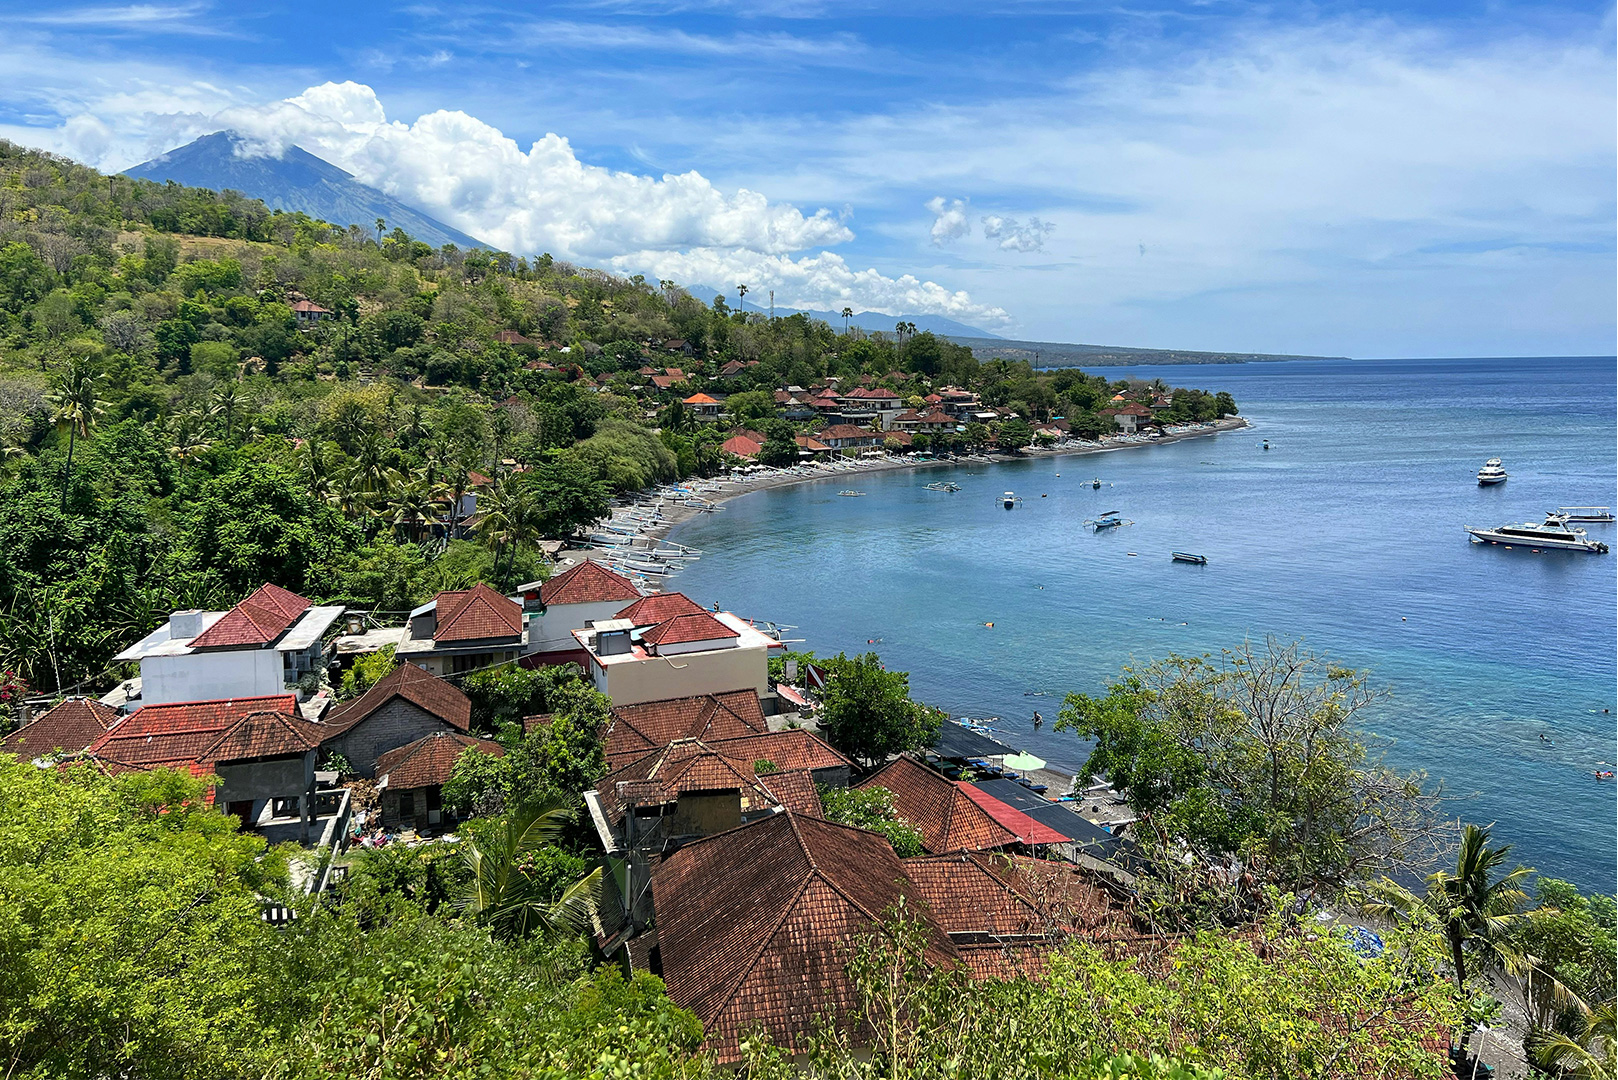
column 1347, row 533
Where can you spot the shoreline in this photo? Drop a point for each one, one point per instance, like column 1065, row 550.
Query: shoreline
column 679, row 514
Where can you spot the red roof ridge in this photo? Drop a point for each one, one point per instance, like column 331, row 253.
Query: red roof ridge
column 588, row 577
column 505, row 612
column 688, row 627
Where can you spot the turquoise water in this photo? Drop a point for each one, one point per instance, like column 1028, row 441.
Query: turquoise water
column 1347, row 533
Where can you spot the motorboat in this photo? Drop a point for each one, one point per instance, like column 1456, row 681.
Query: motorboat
column 1186, row 556
column 1597, row 514
column 1552, row 534
column 1010, row 500
column 1492, row 473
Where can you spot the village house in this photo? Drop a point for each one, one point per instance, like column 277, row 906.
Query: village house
column 69, row 726
column 572, row 600
column 809, row 446
column 263, row 645
column 640, row 729
column 849, row 437
column 405, row 705
column 933, row 420
column 308, row 314
column 742, row 446
column 410, row 780
column 668, row 646
column 463, row 631
column 953, row 816
column 704, row 407
column 1128, row 418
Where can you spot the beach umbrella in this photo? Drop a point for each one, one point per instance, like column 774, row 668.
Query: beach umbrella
column 1023, row 762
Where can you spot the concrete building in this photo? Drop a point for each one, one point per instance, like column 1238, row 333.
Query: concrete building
column 263, row 645
column 578, row 598
column 461, row 631
column 681, row 655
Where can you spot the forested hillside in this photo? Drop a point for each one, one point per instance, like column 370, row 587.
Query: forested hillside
column 175, row 434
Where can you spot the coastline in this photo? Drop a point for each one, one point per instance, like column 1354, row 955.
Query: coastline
column 735, row 488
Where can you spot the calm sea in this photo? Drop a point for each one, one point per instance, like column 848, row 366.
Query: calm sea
column 1347, row 533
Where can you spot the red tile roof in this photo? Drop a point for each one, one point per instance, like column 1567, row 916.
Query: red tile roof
column 178, row 733
column 587, row 583
column 811, row 444
column 794, row 790
column 968, row 897
column 741, row 446
column 258, row 620
column 70, row 726
column 660, row 607
column 305, row 305
column 791, row 749
column 946, row 818
column 685, row 765
column 846, row 431
column 664, row 382
column 637, row 730
column 754, row 925
column 429, row 692
column 265, row 734
column 1026, row 828
column 686, row 628
column 476, row 614
column 428, row 761
column 701, row 399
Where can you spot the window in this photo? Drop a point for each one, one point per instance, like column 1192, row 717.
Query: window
column 287, row 807
column 407, row 804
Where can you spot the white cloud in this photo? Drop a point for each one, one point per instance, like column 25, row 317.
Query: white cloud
column 1015, row 237
column 949, row 219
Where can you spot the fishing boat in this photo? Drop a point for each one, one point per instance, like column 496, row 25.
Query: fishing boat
column 1107, row 520
column 1597, row 514
column 944, row 485
column 1186, row 556
column 1096, row 483
column 1493, row 472
column 1553, row 534
column 850, row 493
column 1010, row 500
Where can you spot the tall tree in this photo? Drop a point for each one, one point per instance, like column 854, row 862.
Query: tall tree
column 867, row 711
column 75, row 405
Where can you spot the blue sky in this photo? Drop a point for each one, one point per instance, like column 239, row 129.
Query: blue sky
column 1369, row 180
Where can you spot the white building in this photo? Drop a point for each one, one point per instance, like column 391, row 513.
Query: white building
column 686, row 654
column 263, row 645
column 574, row 600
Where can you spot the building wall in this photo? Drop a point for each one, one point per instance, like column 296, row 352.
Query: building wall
column 388, row 728
column 276, row 778
column 553, row 631
column 680, row 648
column 658, row 678
column 203, row 676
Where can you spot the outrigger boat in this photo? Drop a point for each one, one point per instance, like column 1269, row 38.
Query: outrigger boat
column 1186, row 556
column 944, row 485
column 1010, row 500
column 851, row 493
column 1598, row 514
column 1108, row 520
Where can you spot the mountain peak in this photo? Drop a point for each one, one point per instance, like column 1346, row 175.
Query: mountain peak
column 296, row 180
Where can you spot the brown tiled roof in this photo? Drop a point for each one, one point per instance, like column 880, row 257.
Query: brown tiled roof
column 651, row 610
column 264, row 734
column 257, row 620
column 810, row 443
column 754, row 924
column 587, row 583
column 794, row 790
column 967, row 897
column 687, row 628
column 685, row 765
column 177, row 733
column 790, row 749
column 428, row 761
column 741, row 446
column 476, row 614
column 946, row 818
column 845, row 431
column 71, row 726
column 637, row 730
column 431, row 693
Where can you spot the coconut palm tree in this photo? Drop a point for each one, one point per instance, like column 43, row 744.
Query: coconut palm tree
column 741, row 298
column 848, row 313
column 189, row 443
column 75, row 406
column 1593, row 1055
column 226, row 404
column 1474, row 904
column 372, row 473
column 412, row 506
column 500, row 893
column 312, row 466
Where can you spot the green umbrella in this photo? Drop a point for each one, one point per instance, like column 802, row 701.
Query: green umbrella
column 1022, row 762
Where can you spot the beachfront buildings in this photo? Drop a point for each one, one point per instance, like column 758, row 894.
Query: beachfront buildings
column 264, row 645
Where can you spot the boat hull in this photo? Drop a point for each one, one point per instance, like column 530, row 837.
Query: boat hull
column 1490, row 481
column 1549, row 543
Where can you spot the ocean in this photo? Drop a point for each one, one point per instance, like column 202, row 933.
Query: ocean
column 1346, row 533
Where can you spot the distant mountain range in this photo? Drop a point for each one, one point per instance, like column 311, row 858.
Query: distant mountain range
column 865, row 320
column 295, row 181
column 1056, row 354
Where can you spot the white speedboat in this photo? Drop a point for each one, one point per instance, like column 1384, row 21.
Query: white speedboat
column 1553, row 534
column 1599, row 514
column 1492, row 473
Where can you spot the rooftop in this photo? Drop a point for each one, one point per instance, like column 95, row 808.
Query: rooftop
column 637, row 730
column 587, row 583
column 660, row 607
column 70, row 726
column 947, row 818
column 429, row 760
column 428, row 692
column 477, row 614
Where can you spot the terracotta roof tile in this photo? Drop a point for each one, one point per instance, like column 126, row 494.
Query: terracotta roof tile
column 790, row 749
column 946, row 818
column 70, row 726
column 476, row 614
column 265, row 734
column 428, row 761
column 845, row 431
column 794, row 789
column 258, row 620
column 686, row 765
column 701, row 399
column 741, row 446
column 436, row 696
column 683, row 629
column 587, row 583
column 754, row 924
column 178, row 733
column 637, row 730
column 660, row 607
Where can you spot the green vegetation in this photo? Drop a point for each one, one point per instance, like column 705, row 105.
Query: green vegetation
column 871, row 808
column 867, row 712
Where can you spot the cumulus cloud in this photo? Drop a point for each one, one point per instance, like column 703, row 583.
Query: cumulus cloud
column 949, row 219
column 1013, row 236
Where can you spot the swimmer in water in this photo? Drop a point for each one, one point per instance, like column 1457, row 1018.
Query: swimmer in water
column 1039, row 721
